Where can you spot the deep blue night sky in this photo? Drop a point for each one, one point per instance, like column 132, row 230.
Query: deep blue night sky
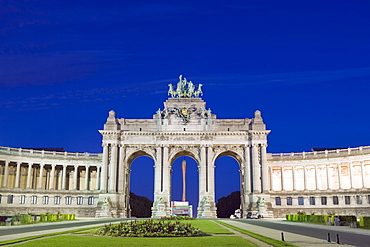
column 304, row 64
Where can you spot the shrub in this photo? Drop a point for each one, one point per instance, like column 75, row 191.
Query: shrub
column 150, row 228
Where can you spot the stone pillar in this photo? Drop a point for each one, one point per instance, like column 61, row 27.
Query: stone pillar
column 64, row 177
column 294, row 187
column 113, row 169
column 362, row 174
column 52, row 177
column 104, row 168
column 75, row 177
column 158, row 187
column 6, row 174
column 211, row 182
column 316, row 182
column 98, row 177
column 247, row 172
column 265, row 180
column 256, row 170
column 29, row 175
column 339, row 176
column 87, row 173
column 350, row 173
column 328, row 185
column 41, row 176
column 166, row 178
column 304, row 178
column 282, row 178
column 17, row 174
column 203, row 189
column 122, row 168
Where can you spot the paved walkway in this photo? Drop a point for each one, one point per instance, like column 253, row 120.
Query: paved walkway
column 296, row 239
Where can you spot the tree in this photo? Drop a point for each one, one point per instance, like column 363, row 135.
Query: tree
column 141, row 206
column 226, row 206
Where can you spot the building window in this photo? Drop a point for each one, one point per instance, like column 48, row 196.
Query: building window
column 68, row 200
column 335, row 200
column 300, row 200
column 347, row 200
column 323, row 200
column 289, row 201
column 90, row 200
column 22, row 199
column 359, row 199
column 0, row 198
column 312, row 200
column 278, row 201
column 33, row 199
column 368, row 199
column 45, row 200
column 79, row 200
column 10, row 199
column 57, row 200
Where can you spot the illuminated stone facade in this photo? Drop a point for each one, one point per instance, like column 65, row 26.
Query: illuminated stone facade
column 97, row 185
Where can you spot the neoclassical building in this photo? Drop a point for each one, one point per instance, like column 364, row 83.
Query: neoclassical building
column 98, row 185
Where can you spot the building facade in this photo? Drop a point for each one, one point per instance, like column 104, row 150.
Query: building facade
column 97, row 185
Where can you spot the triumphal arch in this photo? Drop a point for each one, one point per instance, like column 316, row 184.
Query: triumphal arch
column 184, row 127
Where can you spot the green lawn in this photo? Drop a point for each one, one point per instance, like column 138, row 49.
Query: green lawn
column 76, row 240
column 207, row 226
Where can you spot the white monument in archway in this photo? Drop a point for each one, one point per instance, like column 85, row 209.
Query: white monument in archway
column 184, row 127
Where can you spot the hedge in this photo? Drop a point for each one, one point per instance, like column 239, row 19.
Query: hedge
column 321, row 219
column 28, row 218
column 365, row 221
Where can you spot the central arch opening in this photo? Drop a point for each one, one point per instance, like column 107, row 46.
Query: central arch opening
column 184, row 167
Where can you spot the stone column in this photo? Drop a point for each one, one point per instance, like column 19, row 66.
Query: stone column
column 64, row 177
column 158, row 186
column 328, row 185
column 256, row 170
column 29, row 175
column 104, row 168
column 6, row 174
column 339, row 176
column 265, row 180
column 41, row 176
column 166, row 175
column 316, row 182
column 122, row 168
column 17, row 174
column 294, row 187
column 247, row 172
column 304, row 178
column 52, row 177
column 98, row 178
column 113, row 169
column 282, row 178
column 362, row 174
column 87, row 173
column 350, row 173
column 75, row 177
column 211, row 182
column 202, row 173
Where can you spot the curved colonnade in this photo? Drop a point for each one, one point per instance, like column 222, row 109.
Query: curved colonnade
column 35, row 181
column 325, row 182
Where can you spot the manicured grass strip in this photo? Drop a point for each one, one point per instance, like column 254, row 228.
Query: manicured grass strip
column 76, row 240
column 267, row 240
column 45, row 235
column 207, row 226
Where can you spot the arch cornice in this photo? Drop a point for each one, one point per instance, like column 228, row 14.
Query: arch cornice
column 135, row 151
column 176, row 151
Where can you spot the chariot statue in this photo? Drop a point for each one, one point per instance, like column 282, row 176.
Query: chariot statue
column 185, row 89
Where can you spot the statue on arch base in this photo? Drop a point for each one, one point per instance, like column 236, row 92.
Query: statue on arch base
column 206, row 208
